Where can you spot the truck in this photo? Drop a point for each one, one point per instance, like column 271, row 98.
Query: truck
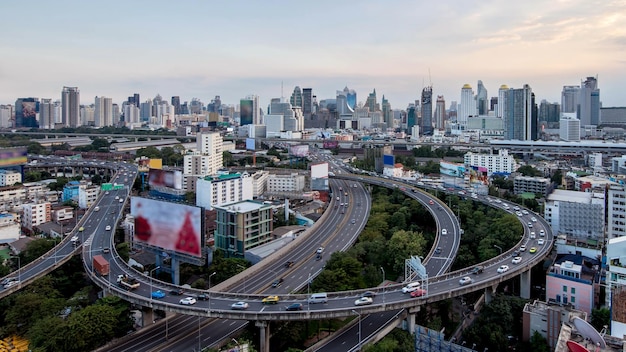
column 101, row 265
column 128, row 283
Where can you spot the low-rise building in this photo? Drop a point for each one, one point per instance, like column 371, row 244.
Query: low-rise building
column 63, row 213
column 11, row 196
column 223, row 188
column 546, row 319
column 501, row 163
column 573, row 280
column 9, row 177
column 9, row 228
column 576, row 214
column 242, row 225
column 35, row 214
column 286, row 183
column 537, row 185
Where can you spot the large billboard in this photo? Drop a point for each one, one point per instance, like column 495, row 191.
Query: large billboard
column 299, row 150
column 451, row 169
column 389, row 160
column 168, row 226
column 246, row 115
column 250, row 144
column 165, row 178
column 13, row 157
column 319, row 170
column 331, row 144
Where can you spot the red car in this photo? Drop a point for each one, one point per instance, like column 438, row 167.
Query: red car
column 431, row 202
column 418, row 293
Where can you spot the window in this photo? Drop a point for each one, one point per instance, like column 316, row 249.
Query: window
column 573, row 299
column 573, row 290
column 565, row 289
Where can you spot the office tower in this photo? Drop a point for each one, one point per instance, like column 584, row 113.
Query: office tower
column 215, row 105
column 549, row 112
column 481, row 99
column 103, row 111
column 493, row 104
column 176, row 104
column 426, row 127
column 589, row 102
column 26, row 112
column 46, row 114
column 87, row 114
column 371, row 102
column 468, row 104
column 6, row 114
column 70, row 115
column 502, row 94
column 115, row 118
column 307, row 102
column 569, row 98
column 131, row 114
column 440, row 113
column 453, row 112
column 296, row 97
column 136, row 99
column 249, row 110
column 411, row 117
column 518, row 124
column 196, row 106
column 346, row 101
column 387, row 113
column 146, row 111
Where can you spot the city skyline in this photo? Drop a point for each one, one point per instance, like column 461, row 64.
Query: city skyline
column 237, row 48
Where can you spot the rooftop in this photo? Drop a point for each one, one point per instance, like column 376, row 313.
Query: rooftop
column 570, row 196
column 243, row 206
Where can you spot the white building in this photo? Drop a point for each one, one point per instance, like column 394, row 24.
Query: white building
column 576, row 214
column 468, row 105
column 206, row 160
column 569, row 128
column 285, row 183
column 618, row 164
column 501, row 163
column 36, row 213
column 396, row 170
column 9, row 228
column 223, row 188
column 11, row 196
column 9, row 177
column 616, row 211
column 274, row 124
column 259, row 183
column 87, row 196
column 62, row 214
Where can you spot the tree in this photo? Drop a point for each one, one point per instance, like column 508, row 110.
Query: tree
column 35, row 148
column 403, row 245
column 600, row 317
column 538, row 343
column 557, row 177
column 528, row 170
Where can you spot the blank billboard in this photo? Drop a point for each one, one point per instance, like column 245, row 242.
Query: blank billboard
column 319, row 170
column 300, row 150
column 165, row 178
column 13, row 157
column 168, row 226
column 250, row 144
column 389, row 160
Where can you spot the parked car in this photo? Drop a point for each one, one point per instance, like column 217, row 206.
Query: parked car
column 516, row 260
column 158, row 294
column 294, row 306
column 418, row 293
column 270, row 300
column 465, row 280
column 363, row 301
column 188, row 301
column 239, row 306
column 503, row 269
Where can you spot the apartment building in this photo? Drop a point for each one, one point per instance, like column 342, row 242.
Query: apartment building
column 576, row 214
column 537, row 185
column 35, row 214
column 242, row 225
column 293, row 182
column 223, row 188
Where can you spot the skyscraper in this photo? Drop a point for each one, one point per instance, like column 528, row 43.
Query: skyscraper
column 26, row 112
column 481, row 99
column 387, row 113
column 307, row 102
column 46, row 114
column 371, row 102
column 70, row 100
column 249, row 110
column 176, row 104
column 296, row 97
column 411, row 117
column 427, row 111
column 468, row 104
column 569, row 98
column 346, row 101
column 440, row 113
column 589, row 102
column 518, row 116
column 103, row 111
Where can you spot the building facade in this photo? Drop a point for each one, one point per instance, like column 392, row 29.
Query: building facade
column 35, row 214
column 571, row 283
column 286, row 183
column 223, row 189
column 536, row 185
column 9, row 177
column 70, row 108
column 576, row 214
column 241, row 226
column 501, row 163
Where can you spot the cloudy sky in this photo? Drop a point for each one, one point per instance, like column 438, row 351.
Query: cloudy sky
column 233, row 48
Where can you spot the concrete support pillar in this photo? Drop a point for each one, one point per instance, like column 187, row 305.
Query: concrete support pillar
column 148, row 316
column 410, row 322
column 264, row 335
column 489, row 294
column 524, row 285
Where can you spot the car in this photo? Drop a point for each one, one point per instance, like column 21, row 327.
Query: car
column 438, row 250
column 7, row 280
column 11, row 283
column 188, row 301
column 108, row 228
column 522, row 248
column 202, row 296
column 525, row 212
column 277, row 282
column 515, row 208
column 477, row 269
column 117, row 197
column 533, row 219
column 444, row 231
column 158, row 294
column 353, row 221
column 177, row 292
column 107, row 192
column 319, row 250
column 532, row 235
column 533, row 249
column 542, row 233
column 530, row 225
column 503, row 269
column 294, row 306
column 289, row 264
column 239, row 305
column 418, row 293
column 541, row 242
column 516, row 260
column 363, row 301
column 81, row 229
column 106, row 250
column 270, row 300
column 431, row 202
column 518, row 213
column 465, row 281
column 368, row 294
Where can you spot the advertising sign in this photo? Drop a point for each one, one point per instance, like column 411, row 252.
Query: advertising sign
column 389, row 160
column 451, row 169
column 319, row 170
column 300, row 150
column 13, row 157
column 166, row 225
column 331, row 144
column 165, row 178
column 250, row 144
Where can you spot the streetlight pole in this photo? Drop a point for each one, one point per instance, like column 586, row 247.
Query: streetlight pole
column 383, row 270
column 359, row 314
column 308, row 293
column 500, row 248
column 209, row 292
column 151, row 271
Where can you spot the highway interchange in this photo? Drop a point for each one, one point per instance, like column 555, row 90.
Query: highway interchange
column 338, row 233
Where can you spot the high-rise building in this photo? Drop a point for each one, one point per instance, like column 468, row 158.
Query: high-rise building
column 371, row 102
column 145, row 112
column 6, row 115
column 296, row 97
column 549, row 112
column 387, row 113
column 207, row 159
column 589, row 102
column 440, row 113
column 215, row 105
column 176, row 104
column 569, row 98
column 249, row 110
column 346, row 101
column 427, row 111
column 518, row 124
column 482, row 101
column 502, row 94
column 70, row 97
column 131, row 114
column 87, row 114
column 307, row 102
column 26, row 112
column 468, row 105
column 411, row 117
column 46, row 114
column 103, row 112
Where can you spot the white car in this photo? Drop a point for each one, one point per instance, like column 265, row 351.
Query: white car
column 532, row 235
column 187, row 301
column 363, row 301
column 542, row 233
column 516, row 260
column 522, row 248
column 503, row 269
column 444, row 231
column 518, row 213
column 525, row 212
column 466, row 280
column 108, row 228
column 541, row 241
column 239, row 306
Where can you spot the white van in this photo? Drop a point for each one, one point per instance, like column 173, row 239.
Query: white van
column 318, row 298
column 411, row 287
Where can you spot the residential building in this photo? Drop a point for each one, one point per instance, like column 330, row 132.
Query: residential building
column 9, row 177
column 468, row 105
column 11, row 196
column 62, row 213
column 573, row 279
column 576, row 214
column 259, row 183
column 70, row 191
column 569, row 128
column 502, row 163
column 427, row 111
column 440, row 113
column 286, row 183
column 546, row 319
column 616, row 212
column 616, row 284
column 10, row 228
column 103, row 112
column 6, row 116
column 618, row 164
column 87, row 195
column 502, row 93
column 46, row 114
column 206, row 160
column 35, row 214
column 538, row 185
column 70, row 97
column 242, row 225
column 223, row 188
column 518, row 116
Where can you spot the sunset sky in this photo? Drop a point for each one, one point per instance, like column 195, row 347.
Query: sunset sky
column 235, row 48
